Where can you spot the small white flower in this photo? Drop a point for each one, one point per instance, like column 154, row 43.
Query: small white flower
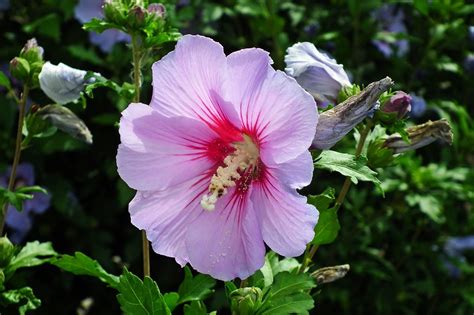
column 316, row 72
column 62, row 83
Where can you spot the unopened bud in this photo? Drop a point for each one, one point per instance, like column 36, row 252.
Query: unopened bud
column 335, row 123
column 136, row 17
column 400, row 104
column 157, row 9
column 32, row 52
column 246, row 300
column 20, row 68
column 64, row 119
column 421, row 135
column 330, row 274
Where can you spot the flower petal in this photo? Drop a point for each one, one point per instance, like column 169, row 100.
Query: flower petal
column 188, row 81
column 296, row 173
column 157, row 152
column 226, row 243
column 287, row 220
column 272, row 106
column 166, row 215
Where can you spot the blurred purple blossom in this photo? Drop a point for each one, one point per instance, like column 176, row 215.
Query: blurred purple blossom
column 391, row 22
column 85, row 11
column 20, row 223
column 454, row 249
column 418, row 106
column 4, row 5
column 469, row 64
column 399, row 103
column 470, row 30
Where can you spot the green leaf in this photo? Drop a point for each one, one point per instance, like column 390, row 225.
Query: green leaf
column 195, row 308
column 4, row 81
column 48, row 25
column 422, row 6
column 195, row 288
column 328, row 224
column 285, row 264
column 263, row 277
column 32, row 254
column 348, row 165
column 288, row 295
column 126, row 90
column 81, row 264
column 429, row 205
column 171, row 300
column 31, row 189
column 327, row 228
column 17, row 296
column 139, row 297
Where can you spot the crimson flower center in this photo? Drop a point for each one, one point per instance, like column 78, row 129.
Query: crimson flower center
column 242, row 160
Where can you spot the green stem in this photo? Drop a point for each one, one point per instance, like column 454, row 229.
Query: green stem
column 308, row 255
column 137, row 56
column 16, row 157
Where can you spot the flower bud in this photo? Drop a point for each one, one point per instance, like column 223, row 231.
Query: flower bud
column 32, row 52
column 330, row 274
column 20, row 68
column 115, row 11
column 62, row 83
column 400, row 104
column 64, row 119
column 335, row 123
column 245, row 300
column 157, row 9
column 7, row 249
column 136, row 17
column 317, row 73
column 420, row 136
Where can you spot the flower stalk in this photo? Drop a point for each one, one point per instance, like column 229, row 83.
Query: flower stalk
column 16, row 157
column 137, row 81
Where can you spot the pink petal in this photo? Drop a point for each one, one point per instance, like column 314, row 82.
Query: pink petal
column 188, row 82
column 287, row 220
column 157, row 151
column 226, row 243
column 165, row 215
column 272, row 106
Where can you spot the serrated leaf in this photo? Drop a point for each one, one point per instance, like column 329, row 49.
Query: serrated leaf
column 17, row 296
column 195, row 288
column 81, row 264
column 32, row 254
column 348, row 165
column 126, row 90
column 429, row 205
column 288, row 295
column 139, row 297
column 323, row 200
column 4, row 81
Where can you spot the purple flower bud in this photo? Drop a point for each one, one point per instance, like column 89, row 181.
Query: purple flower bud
column 318, row 74
column 335, row 123
column 399, row 103
column 420, row 136
column 31, row 51
column 158, row 9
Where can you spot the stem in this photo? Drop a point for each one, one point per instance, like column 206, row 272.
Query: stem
column 137, row 56
column 16, row 157
column 308, row 255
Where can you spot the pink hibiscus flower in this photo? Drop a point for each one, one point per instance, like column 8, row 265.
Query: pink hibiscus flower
column 217, row 157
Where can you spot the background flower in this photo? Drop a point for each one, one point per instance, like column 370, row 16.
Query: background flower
column 20, row 223
column 316, row 72
column 391, row 22
column 85, row 11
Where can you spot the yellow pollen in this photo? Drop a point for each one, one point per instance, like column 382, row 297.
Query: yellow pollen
column 244, row 157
